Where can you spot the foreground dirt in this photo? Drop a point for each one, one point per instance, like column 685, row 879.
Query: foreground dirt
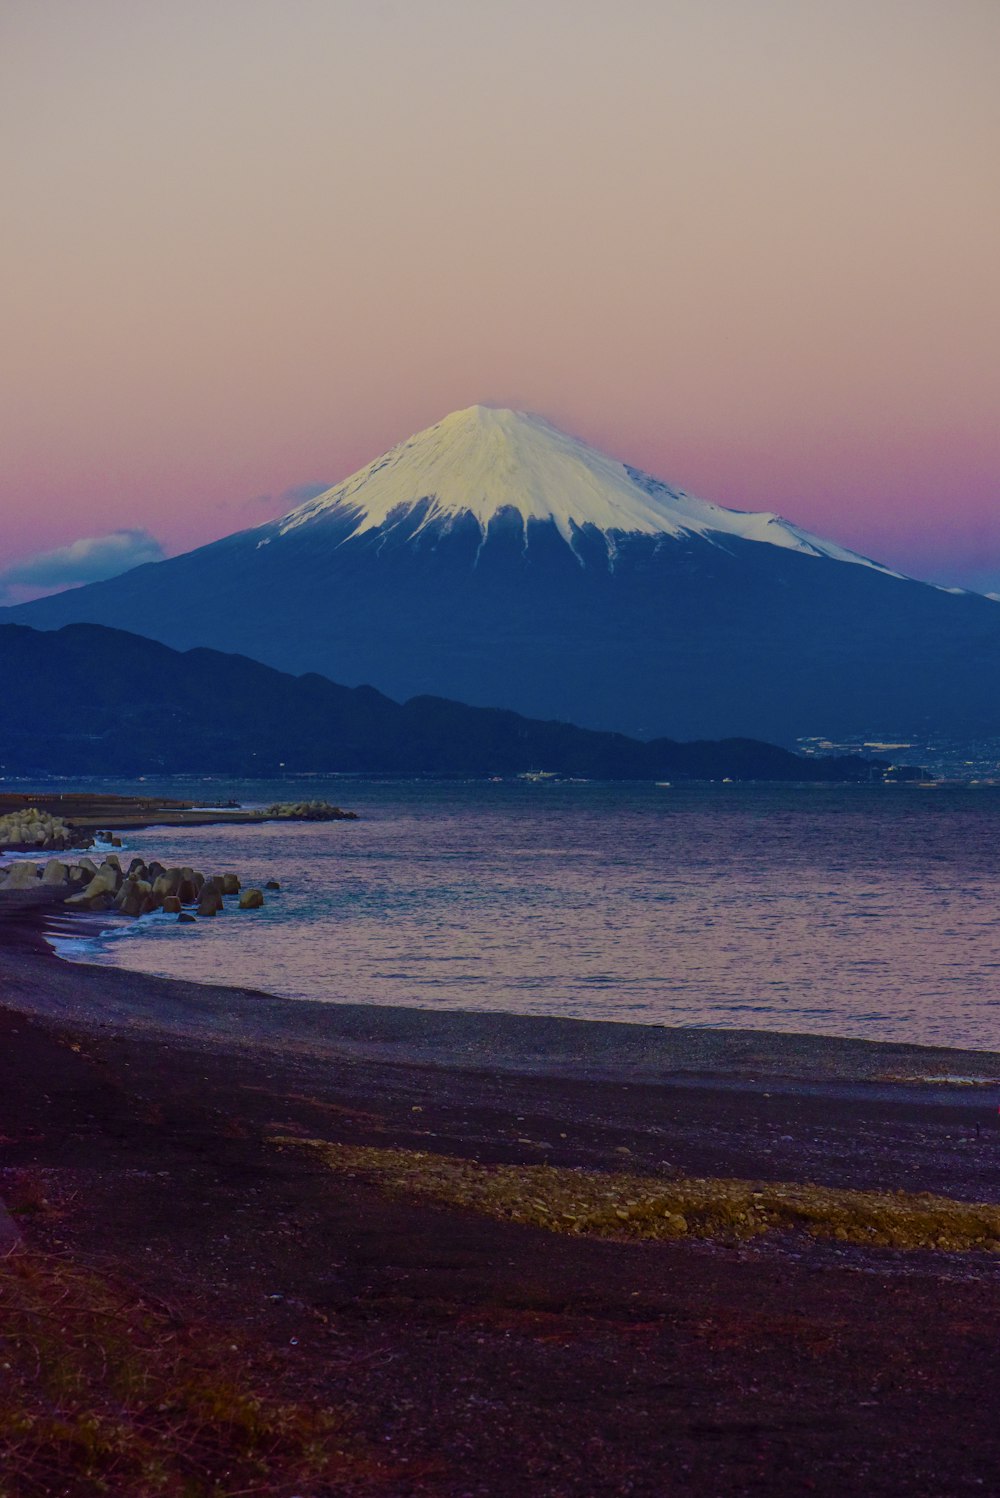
column 468, row 1356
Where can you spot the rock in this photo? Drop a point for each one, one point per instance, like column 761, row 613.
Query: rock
column 32, row 828
column 137, row 867
column 187, row 892
column 230, row 884
column 102, row 899
column 209, row 901
column 150, row 903
column 162, row 885
column 184, row 916
column 154, row 869
column 272, row 884
column 132, row 896
column 88, row 866
column 116, row 841
column 101, row 885
column 251, row 899
column 55, row 872
column 10, row 1236
column 198, row 881
column 171, row 904
column 21, row 876
column 309, row 811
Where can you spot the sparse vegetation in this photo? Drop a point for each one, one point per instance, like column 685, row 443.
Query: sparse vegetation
column 102, row 1393
column 629, row 1206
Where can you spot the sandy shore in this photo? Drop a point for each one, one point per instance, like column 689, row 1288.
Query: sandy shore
column 478, row 1357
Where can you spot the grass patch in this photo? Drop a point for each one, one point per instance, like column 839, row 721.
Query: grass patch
column 628, row 1206
column 102, row 1393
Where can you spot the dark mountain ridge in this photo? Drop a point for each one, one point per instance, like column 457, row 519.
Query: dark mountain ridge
column 87, row 700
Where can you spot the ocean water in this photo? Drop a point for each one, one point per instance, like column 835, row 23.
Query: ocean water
column 870, row 912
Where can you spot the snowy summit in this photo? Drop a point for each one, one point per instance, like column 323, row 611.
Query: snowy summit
column 495, row 561
column 485, row 460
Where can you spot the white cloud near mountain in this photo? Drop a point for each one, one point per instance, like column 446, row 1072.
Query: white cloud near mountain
column 90, row 559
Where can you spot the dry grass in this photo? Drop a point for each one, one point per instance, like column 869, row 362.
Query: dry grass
column 101, row 1393
column 628, row 1206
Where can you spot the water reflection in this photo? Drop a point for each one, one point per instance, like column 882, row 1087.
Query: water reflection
column 867, row 912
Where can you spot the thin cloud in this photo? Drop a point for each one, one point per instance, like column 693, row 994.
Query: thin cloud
column 88, row 560
column 279, row 504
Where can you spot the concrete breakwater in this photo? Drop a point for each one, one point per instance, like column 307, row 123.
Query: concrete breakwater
column 58, row 821
column 31, row 828
column 141, row 889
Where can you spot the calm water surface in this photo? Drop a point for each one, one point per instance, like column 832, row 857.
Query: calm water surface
column 871, row 912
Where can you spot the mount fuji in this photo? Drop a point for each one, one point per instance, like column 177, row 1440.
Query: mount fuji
column 495, row 560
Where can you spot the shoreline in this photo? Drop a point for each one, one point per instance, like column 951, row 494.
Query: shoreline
column 141, row 1129
column 93, row 996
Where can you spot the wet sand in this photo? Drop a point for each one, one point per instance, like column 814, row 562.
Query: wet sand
column 477, row 1357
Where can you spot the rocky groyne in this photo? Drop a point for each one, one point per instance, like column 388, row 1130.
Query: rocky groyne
column 30, row 828
column 141, row 889
column 307, row 811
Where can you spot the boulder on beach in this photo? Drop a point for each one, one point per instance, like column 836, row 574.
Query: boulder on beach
column 209, row 901
column 132, row 896
column 251, row 899
column 95, row 897
column 230, row 884
column 272, row 884
column 102, row 884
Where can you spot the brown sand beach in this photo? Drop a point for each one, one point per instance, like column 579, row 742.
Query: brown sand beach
column 348, row 1250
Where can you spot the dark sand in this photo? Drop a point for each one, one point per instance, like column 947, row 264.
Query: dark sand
column 477, row 1357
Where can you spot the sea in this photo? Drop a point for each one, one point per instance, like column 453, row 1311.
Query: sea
column 868, row 911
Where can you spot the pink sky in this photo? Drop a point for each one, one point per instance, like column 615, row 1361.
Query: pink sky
column 752, row 248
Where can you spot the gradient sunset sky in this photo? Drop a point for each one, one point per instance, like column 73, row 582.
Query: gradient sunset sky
column 752, row 246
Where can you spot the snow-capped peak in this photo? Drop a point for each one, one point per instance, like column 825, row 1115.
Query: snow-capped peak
column 482, row 460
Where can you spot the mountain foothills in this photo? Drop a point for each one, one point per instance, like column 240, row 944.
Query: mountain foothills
column 495, row 560
column 89, row 700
